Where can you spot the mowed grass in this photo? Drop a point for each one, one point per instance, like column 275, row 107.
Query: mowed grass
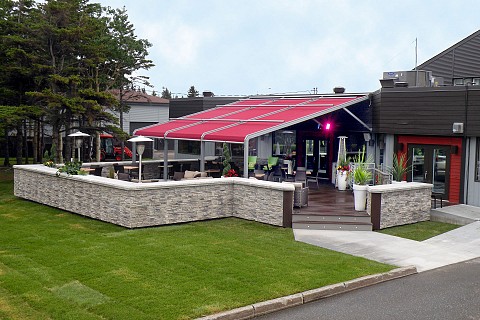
column 420, row 231
column 58, row 265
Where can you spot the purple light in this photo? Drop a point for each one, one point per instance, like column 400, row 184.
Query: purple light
column 327, row 126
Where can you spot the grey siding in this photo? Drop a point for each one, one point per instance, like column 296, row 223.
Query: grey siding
column 145, row 113
column 459, row 61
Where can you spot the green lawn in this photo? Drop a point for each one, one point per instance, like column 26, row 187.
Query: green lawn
column 420, row 231
column 58, row 265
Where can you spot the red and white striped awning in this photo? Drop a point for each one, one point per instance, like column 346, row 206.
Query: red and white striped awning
column 248, row 118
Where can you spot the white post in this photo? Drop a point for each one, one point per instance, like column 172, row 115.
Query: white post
column 245, row 159
column 165, row 159
column 202, row 155
column 140, row 169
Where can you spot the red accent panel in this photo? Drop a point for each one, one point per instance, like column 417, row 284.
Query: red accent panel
column 455, row 159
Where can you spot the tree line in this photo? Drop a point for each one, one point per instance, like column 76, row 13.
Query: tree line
column 61, row 60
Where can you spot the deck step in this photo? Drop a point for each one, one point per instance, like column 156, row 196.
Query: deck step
column 337, row 218
column 346, row 226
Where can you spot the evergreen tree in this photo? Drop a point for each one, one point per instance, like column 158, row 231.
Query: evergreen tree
column 166, row 94
column 226, row 159
column 58, row 58
column 192, row 93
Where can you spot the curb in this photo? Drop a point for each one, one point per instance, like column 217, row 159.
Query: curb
column 269, row 306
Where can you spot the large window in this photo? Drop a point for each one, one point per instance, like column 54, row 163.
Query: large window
column 189, row 147
column 284, row 142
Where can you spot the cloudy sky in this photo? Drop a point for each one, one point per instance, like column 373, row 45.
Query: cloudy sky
column 277, row 46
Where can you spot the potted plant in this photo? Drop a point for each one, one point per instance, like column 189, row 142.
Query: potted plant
column 342, row 172
column 399, row 168
column 361, row 177
column 71, row 168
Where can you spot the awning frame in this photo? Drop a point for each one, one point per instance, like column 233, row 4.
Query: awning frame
column 282, row 124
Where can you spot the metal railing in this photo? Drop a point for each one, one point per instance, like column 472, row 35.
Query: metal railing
column 379, row 176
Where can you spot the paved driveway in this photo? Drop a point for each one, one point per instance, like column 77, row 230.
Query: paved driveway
column 455, row 246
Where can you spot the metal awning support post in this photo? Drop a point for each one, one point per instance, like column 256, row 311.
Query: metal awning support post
column 165, row 159
column 245, row 159
column 202, row 155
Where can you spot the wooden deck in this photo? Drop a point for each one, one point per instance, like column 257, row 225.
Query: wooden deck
column 328, row 200
column 330, row 209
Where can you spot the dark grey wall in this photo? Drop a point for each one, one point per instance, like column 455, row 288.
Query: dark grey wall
column 426, row 111
column 185, row 106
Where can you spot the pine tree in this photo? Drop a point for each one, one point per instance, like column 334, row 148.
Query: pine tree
column 166, row 94
column 192, row 93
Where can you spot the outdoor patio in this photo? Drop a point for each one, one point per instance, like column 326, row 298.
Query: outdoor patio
column 327, row 200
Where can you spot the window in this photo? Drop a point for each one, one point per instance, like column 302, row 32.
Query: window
column 458, row 82
column 284, row 142
column 466, row 81
column 252, row 147
column 189, row 147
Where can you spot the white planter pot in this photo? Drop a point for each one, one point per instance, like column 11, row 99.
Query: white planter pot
column 360, row 196
column 342, row 180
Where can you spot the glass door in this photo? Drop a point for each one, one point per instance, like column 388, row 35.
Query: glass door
column 430, row 165
column 316, row 156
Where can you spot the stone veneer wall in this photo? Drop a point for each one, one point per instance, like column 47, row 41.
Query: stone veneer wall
column 135, row 205
column 399, row 204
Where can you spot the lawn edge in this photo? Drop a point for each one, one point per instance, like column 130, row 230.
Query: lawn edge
column 269, row 306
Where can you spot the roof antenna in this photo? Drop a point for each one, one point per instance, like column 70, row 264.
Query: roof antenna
column 416, row 60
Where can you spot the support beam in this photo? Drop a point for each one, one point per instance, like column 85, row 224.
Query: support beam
column 245, row 159
column 358, row 119
column 165, row 159
column 202, row 156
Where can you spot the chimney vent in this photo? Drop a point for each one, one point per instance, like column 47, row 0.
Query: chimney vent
column 339, row 90
column 208, row 94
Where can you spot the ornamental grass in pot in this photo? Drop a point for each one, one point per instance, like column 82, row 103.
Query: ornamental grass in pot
column 400, row 167
column 361, row 177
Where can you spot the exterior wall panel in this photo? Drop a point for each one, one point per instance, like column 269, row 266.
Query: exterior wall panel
column 427, row 111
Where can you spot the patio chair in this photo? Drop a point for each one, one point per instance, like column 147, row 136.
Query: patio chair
column 314, row 178
column 272, row 161
column 97, row 171
column 118, row 168
column 252, row 161
column 277, row 174
column 301, row 176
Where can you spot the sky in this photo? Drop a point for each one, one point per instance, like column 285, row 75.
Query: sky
column 251, row 47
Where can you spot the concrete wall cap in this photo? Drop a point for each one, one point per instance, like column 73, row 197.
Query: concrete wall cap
column 395, row 187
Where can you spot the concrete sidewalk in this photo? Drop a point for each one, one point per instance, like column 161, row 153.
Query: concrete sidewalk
column 452, row 247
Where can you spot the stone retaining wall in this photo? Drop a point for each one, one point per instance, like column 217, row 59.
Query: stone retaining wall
column 135, row 205
column 398, row 204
